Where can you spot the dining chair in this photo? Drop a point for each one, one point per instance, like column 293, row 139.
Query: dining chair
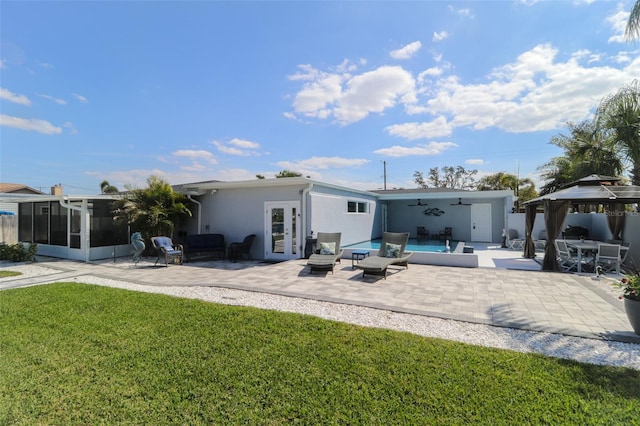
column 608, row 257
column 567, row 261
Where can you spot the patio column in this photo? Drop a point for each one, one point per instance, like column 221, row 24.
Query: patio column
column 554, row 214
column 529, row 220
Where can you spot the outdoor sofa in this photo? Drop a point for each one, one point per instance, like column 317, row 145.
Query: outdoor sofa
column 205, row 244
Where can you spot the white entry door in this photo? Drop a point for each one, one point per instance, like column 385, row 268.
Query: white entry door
column 282, row 230
column 481, row 222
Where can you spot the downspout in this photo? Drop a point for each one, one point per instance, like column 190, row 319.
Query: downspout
column 304, row 210
column 199, row 204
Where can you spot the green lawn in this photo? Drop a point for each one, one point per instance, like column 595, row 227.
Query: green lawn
column 6, row 274
column 81, row 354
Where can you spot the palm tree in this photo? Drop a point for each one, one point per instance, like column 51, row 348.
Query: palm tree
column 524, row 188
column 588, row 150
column 154, row 210
column 620, row 113
column 107, row 188
column 632, row 31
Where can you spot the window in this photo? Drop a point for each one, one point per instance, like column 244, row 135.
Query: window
column 357, row 207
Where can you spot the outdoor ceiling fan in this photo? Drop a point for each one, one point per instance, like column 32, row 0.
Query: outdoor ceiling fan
column 420, row 204
column 460, row 203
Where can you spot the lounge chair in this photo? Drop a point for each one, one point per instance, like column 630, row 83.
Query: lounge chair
column 328, row 252
column 237, row 250
column 391, row 253
column 167, row 250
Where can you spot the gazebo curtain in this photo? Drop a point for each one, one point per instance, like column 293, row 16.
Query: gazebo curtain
column 615, row 219
column 529, row 220
column 554, row 215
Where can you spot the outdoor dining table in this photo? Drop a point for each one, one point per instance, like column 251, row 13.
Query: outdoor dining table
column 583, row 246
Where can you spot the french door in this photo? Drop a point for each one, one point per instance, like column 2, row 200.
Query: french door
column 282, row 230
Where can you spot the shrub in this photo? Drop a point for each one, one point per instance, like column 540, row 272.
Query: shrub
column 18, row 252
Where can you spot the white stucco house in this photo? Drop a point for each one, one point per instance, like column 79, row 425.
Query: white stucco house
column 287, row 210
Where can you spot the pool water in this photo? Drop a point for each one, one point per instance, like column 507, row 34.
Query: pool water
column 429, row 246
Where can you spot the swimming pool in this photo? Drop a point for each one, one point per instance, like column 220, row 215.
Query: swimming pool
column 415, row 245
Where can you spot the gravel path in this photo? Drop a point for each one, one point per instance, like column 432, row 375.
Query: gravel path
column 591, row 351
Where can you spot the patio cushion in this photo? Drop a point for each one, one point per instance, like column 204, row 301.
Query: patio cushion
column 327, row 248
column 165, row 243
column 392, row 250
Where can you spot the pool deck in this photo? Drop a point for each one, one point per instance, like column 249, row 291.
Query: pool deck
column 506, row 290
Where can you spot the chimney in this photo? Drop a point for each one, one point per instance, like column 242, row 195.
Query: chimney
column 56, row 189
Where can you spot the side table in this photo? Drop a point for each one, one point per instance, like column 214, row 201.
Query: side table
column 357, row 256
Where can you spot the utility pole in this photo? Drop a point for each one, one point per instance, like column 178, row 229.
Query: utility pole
column 384, row 163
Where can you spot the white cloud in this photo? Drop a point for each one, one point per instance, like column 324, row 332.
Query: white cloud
column 323, row 95
column 12, row 97
column 618, row 21
column 411, row 131
column 51, row 98
column 474, row 161
column 431, row 148
column 46, row 65
column 240, row 143
column 29, row 124
column 196, row 155
column 534, row 93
column 439, row 36
column 80, row 98
column 407, row 51
column 3, row 64
column 374, row 91
column 238, row 147
column 70, row 127
column 323, row 163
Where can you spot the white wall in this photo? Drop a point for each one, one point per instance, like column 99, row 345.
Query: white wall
column 328, row 213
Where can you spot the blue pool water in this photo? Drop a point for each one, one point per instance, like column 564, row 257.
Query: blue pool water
column 430, row 246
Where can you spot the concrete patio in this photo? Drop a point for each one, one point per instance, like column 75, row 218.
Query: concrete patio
column 506, row 291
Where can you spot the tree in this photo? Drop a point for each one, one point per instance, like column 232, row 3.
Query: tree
column 107, row 188
column 449, row 177
column 632, row 31
column 287, row 173
column 588, row 149
column 259, row 176
column 620, row 113
column 524, row 188
column 152, row 211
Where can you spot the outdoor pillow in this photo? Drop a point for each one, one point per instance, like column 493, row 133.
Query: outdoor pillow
column 327, row 248
column 393, row 250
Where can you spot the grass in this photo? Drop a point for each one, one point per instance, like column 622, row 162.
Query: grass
column 80, row 354
column 6, row 274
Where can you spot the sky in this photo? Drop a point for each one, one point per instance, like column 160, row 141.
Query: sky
column 338, row 91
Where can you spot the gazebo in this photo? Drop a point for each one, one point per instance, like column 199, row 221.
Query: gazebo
column 593, row 189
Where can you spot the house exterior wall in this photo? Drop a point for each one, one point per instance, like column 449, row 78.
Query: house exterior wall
column 238, row 212
column 329, row 213
column 402, row 218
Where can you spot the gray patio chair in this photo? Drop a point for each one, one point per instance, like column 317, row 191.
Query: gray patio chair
column 167, row 250
column 608, row 257
column 514, row 242
column 328, row 252
column 567, row 261
column 391, row 252
column 240, row 249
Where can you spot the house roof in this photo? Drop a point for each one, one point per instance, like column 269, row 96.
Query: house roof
column 17, row 188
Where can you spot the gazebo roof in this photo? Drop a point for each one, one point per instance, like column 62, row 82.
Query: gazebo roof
column 594, row 189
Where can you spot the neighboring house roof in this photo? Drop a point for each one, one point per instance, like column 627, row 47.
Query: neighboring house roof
column 18, row 188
